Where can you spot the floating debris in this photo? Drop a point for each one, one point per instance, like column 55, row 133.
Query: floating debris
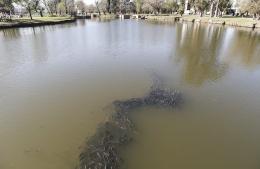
column 102, row 150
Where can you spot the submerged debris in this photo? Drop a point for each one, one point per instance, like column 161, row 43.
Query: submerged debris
column 102, row 150
column 161, row 97
column 157, row 97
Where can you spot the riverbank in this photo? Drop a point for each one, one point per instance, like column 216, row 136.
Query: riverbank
column 108, row 16
column 37, row 21
column 226, row 20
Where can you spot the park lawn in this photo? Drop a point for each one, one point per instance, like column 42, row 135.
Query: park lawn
column 36, row 21
column 229, row 20
column 42, row 19
column 225, row 20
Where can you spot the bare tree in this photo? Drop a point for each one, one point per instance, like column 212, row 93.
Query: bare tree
column 138, row 5
column 81, row 6
column 51, row 6
column 156, row 5
column 103, row 5
column 252, row 7
column 29, row 5
column 90, row 8
column 212, row 3
column 61, row 8
column 97, row 6
column 171, row 6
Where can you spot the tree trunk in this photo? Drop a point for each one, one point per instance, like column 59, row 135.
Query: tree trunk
column 10, row 14
column 47, row 7
column 216, row 11
column 41, row 14
column 108, row 6
column 66, row 6
column 30, row 12
column 211, row 9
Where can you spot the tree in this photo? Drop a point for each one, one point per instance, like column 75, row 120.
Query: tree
column 212, row 2
column 61, row 8
column 201, row 6
column 37, row 5
column 70, row 7
column 29, row 5
column 181, row 7
column 131, row 7
column 146, row 7
column 81, row 6
column 114, row 6
column 171, row 6
column 6, row 6
column 223, row 6
column 108, row 6
column 156, row 5
column 103, row 6
column 51, row 6
column 90, row 8
column 126, row 6
column 252, row 7
column 97, row 6
column 138, row 5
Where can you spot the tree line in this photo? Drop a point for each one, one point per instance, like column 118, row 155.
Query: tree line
column 215, row 8
column 51, row 7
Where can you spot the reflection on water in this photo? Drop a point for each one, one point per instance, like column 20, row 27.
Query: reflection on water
column 199, row 49
column 57, row 82
column 244, row 46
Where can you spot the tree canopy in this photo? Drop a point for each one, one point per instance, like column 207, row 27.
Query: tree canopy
column 6, row 6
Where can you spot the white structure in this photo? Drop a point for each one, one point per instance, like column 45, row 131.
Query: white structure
column 187, row 7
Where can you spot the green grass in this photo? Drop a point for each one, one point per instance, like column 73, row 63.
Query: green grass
column 36, row 20
column 41, row 19
column 228, row 20
column 108, row 16
column 224, row 18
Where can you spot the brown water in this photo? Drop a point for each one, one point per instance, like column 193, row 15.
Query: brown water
column 57, row 84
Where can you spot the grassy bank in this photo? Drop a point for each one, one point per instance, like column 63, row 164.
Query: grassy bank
column 108, row 16
column 226, row 20
column 166, row 18
column 36, row 21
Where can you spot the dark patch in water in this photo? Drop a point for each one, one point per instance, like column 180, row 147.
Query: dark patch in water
column 102, row 150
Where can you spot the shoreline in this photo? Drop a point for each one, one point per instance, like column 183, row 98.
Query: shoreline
column 229, row 21
column 24, row 23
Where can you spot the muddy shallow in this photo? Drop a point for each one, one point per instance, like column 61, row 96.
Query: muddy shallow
column 58, row 83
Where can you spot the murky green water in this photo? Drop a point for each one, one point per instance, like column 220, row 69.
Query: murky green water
column 57, row 84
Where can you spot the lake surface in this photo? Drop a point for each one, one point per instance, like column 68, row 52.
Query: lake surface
column 57, row 84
